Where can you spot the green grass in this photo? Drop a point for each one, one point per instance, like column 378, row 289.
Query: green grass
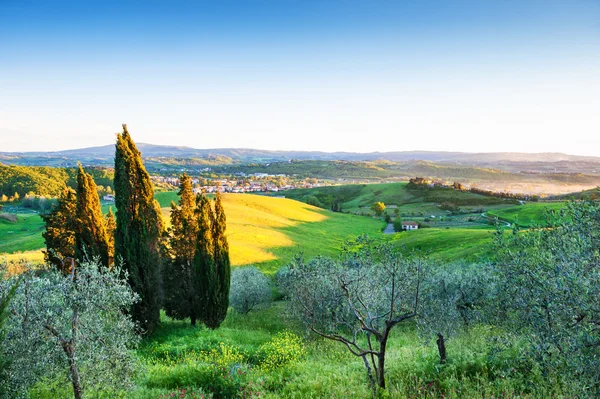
column 177, row 356
column 527, row 215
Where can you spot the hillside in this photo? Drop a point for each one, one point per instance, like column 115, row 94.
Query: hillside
column 358, row 198
column 263, row 231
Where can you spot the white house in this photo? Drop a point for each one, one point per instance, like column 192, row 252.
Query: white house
column 109, row 198
column 410, row 225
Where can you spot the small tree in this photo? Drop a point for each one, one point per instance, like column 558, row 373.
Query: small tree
column 454, row 298
column 90, row 227
column 378, row 208
column 60, row 231
column 249, row 289
column 397, row 225
column 75, row 323
column 357, row 299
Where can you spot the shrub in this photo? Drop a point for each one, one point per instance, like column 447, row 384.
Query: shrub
column 249, row 289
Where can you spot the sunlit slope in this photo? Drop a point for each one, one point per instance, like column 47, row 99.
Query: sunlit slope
column 268, row 231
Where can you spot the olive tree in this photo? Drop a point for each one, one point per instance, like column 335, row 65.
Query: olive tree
column 453, row 299
column 550, row 292
column 249, row 289
column 357, row 299
column 75, row 325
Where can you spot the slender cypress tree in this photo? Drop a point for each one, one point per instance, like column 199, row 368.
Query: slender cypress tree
column 139, row 231
column 204, row 263
column 60, row 231
column 111, row 225
column 181, row 289
column 90, row 233
column 222, row 264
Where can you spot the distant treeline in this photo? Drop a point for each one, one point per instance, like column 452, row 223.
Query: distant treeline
column 46, row 181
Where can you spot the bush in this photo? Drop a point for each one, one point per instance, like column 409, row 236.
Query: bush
column 249, row 289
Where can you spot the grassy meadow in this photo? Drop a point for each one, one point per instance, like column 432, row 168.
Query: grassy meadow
column 269, row 355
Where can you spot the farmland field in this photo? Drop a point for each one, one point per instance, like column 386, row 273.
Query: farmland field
column 527, row 215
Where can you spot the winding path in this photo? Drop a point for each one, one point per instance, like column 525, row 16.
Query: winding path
column 389, row 229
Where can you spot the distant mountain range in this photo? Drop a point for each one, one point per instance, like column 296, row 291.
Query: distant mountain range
column 104, row 155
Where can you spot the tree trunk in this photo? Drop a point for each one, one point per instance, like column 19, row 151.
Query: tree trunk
column 75, row 380
column 441, row 344
column 381, row 363
column 193, row 317
column 370, row 375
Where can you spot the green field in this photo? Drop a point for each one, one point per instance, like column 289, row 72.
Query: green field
column 25, row 235
column 527, row 215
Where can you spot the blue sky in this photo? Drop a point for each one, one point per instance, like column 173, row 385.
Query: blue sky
column 479, row 75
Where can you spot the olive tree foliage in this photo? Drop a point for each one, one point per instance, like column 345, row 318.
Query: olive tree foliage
column 357, row 299
column 454, row 298
column 7, row 292
column 250, row 289
column 72, row 326
column 550, row 292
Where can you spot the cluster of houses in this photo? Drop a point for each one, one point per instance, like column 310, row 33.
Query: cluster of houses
column 258, row 182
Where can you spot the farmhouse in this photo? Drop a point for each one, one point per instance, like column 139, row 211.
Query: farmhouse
column 410, row 225
column 109, row 198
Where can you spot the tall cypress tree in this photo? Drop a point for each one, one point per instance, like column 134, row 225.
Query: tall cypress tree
column 181, row 286
column 90, row 233
column 222, row 264
column 139, row 230
column 60, row 231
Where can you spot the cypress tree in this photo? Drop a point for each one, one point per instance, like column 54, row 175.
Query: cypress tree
column 204, row 264
column 139, row 230
column 222, row 264
column 60, row 231
column 90, row 234
column 110, row 224
column 181, row 286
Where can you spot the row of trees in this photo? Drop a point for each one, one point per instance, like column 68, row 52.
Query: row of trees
column 197, row 285
column 188, row 265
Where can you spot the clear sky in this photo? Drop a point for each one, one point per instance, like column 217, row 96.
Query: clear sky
column 346, row 75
